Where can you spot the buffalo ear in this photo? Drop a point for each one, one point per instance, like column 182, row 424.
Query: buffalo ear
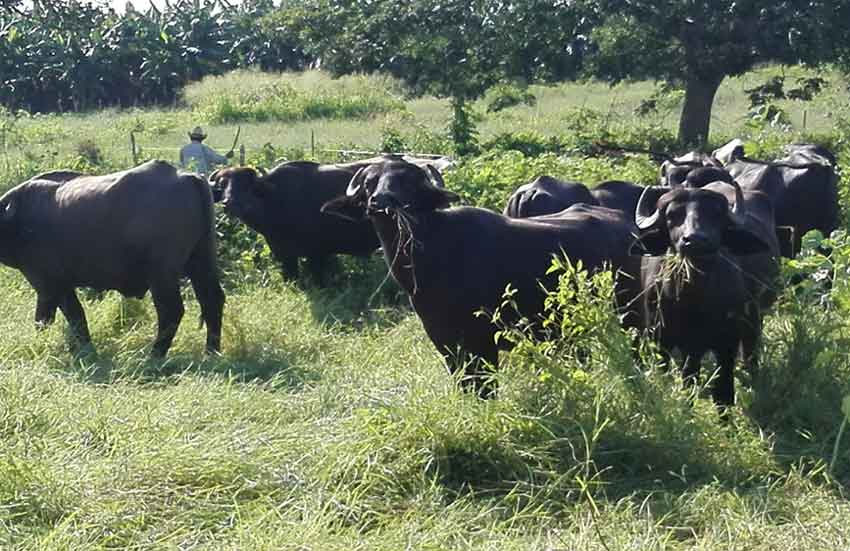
column 438, row 198
column 350, row 208
column 740, row 241
column 651, row 242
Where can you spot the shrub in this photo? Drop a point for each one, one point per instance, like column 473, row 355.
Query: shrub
column 503, row 96
column 251, row 96
column 488, row 180
column 530, row 143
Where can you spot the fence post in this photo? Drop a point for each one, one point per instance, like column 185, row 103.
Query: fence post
column 242, row 155
column 313, row 144
column 805, row 113
column 133, row 148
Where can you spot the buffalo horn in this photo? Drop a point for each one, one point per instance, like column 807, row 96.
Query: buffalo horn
column 739, row 209
column 646, row 212
column 214, row 176
column 435, row 176
column 356, row 183
column 262, row 171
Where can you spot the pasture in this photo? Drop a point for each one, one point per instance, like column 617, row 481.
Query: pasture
column 329, row 422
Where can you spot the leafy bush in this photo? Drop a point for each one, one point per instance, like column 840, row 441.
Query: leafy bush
column 502, row 96
column 250, row 96
column 488, row 180
column 78, row 56
column 529, row 142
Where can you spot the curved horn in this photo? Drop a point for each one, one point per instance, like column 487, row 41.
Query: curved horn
column 436, row 177
column 213, row 176
column 738, row 211
column 646, row 211
column 261, row 171
column 356, row 183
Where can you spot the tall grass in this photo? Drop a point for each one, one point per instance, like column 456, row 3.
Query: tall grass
column 258, row 97
column 330, row 422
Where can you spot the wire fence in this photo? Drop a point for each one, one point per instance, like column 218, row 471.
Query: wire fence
column 136, row 150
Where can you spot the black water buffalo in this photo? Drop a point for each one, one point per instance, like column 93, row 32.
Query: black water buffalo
column 547, row 195
column 674, row 171
column 803, row 187
column 284, row 207
column 133, row 231
column 454, row 262
column 58, row 175
column 708, row 293
column 618, row 195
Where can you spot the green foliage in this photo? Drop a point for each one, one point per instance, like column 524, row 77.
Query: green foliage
column 488, row 180
column 250, row 97
column 79, row 55
column 774, row 89
column 529, row 143
column 462, row 128
column 503, row 96
column 330, row 422
column 450, row 48
column 392, row 140
column 414, row 137
column 700, row 44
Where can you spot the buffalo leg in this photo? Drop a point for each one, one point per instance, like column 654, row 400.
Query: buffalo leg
column 169, row 312
column 73, row 312
column 289, row 267
column 476, row 374
column 203, row 274
column 318, row 266
column 750, row 350
column 211, row 299
column 723, row 389
column 690, row 370
column 45, row 310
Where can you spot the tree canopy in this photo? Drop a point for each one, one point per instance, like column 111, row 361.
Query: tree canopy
column 76, row 55
column 696, row 44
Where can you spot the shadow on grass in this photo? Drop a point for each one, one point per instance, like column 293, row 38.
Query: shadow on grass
column 359, row 293
column 263, row 365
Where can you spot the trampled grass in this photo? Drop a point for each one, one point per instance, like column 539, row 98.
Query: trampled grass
column 330, row 422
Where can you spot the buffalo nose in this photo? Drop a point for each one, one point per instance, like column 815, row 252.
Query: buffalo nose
column 381, row 202
column 696, row 242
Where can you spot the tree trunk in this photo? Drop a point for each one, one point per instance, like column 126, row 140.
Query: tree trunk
column 462, row 128
column 696, row 111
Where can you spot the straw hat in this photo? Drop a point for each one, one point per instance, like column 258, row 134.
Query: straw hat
column 197, row 134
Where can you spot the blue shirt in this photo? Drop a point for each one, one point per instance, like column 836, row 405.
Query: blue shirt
column 198, row 157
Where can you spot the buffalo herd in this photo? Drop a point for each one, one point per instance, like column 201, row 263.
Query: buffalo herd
column 697, row 254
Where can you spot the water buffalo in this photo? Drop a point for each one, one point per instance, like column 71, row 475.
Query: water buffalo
column 674, row 171
column 803, row 187
column 455, row 262
column 284, row 205
column 709, row 274
column 58, row 175
column 132, row 231
column 617, row 195
column 547, row 195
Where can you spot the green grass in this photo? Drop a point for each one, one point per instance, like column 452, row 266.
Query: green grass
column 245, row 96
column 330, row 421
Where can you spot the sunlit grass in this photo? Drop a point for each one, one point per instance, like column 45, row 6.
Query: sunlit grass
column 330, row 422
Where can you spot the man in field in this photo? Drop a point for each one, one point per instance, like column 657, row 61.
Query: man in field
column 198, row 157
